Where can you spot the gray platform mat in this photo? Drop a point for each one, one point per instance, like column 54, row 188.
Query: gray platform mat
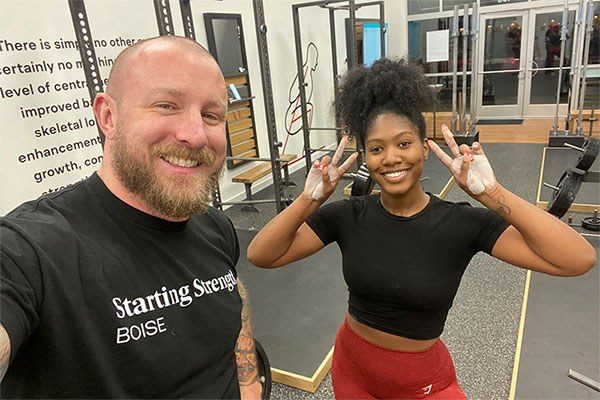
column 562, row 332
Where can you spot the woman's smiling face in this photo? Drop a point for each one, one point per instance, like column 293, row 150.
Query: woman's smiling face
column 394, row 153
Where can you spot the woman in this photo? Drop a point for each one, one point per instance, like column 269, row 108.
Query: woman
column 404, row 251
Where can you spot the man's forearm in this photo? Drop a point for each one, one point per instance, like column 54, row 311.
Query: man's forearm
column 245, row 353
column 4, row 351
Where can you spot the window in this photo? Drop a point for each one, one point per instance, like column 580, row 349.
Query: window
column 417, row 44
column 423, row 6
column 483, row 3
column 449, row 4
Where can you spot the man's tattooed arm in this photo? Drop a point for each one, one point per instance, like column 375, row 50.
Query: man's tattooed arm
column 4, row 351
column 245, row 353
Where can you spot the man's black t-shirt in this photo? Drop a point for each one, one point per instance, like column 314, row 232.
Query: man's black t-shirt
column 101, row 300
column 403, row 272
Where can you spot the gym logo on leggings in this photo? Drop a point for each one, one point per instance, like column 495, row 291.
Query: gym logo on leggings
column 427, row 389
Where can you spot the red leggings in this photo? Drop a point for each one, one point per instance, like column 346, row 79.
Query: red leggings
column 362, row 370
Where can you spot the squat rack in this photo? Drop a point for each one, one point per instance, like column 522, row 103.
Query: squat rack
column 583, row 28
column 351, row 7
column 165, row 26
column 87, row 51
column 274, row 144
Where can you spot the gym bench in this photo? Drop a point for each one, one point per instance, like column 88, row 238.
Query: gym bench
column 590, row 116
column 253, row 174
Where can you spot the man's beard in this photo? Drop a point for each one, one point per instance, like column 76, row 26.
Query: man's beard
column 171, row 196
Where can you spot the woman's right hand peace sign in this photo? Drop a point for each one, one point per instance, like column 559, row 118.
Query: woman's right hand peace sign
column 324, row 175
column 469, row 165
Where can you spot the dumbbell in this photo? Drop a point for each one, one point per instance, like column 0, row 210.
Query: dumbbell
column 589, row 152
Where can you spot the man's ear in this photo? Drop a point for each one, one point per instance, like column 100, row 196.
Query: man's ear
column 106, row 113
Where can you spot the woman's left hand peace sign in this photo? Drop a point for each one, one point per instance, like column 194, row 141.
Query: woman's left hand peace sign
column 469, row 165
column 325, row 174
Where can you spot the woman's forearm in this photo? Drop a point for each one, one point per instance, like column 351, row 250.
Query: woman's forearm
column 273, row 241
column 547, row 236
column 283, row 235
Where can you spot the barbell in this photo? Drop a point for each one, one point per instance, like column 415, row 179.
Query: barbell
column 570, row 182
column 589, row 152
column 564, row 192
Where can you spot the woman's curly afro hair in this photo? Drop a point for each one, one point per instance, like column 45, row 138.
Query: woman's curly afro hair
column 387, row 86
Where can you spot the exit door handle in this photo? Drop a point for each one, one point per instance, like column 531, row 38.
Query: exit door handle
column 534, row 68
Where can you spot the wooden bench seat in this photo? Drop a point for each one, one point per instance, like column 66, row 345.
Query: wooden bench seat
column 586, row 115
column 261, row 170
column 434, row 123
column 590, row 116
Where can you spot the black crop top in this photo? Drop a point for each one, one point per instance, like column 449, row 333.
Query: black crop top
column 403, row 272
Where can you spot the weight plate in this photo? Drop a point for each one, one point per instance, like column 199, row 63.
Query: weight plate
column 591, row 223
column 589, row 154
column 568, row 186
column 264, row 370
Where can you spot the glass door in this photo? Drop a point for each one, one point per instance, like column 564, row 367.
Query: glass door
column 543, row 55
column 501, row 77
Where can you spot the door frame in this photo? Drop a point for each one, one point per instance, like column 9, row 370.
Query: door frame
column 524, row 108
column 543, row 110
column 511, row 111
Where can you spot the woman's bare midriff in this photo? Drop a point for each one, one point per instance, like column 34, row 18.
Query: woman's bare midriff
column 388, row 340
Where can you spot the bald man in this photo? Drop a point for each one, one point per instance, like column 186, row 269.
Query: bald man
column 124, row 284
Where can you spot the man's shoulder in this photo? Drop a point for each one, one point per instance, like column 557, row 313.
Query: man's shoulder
column 216, row 227
column 213, row 220
column 48, row 214
column 211, row 214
